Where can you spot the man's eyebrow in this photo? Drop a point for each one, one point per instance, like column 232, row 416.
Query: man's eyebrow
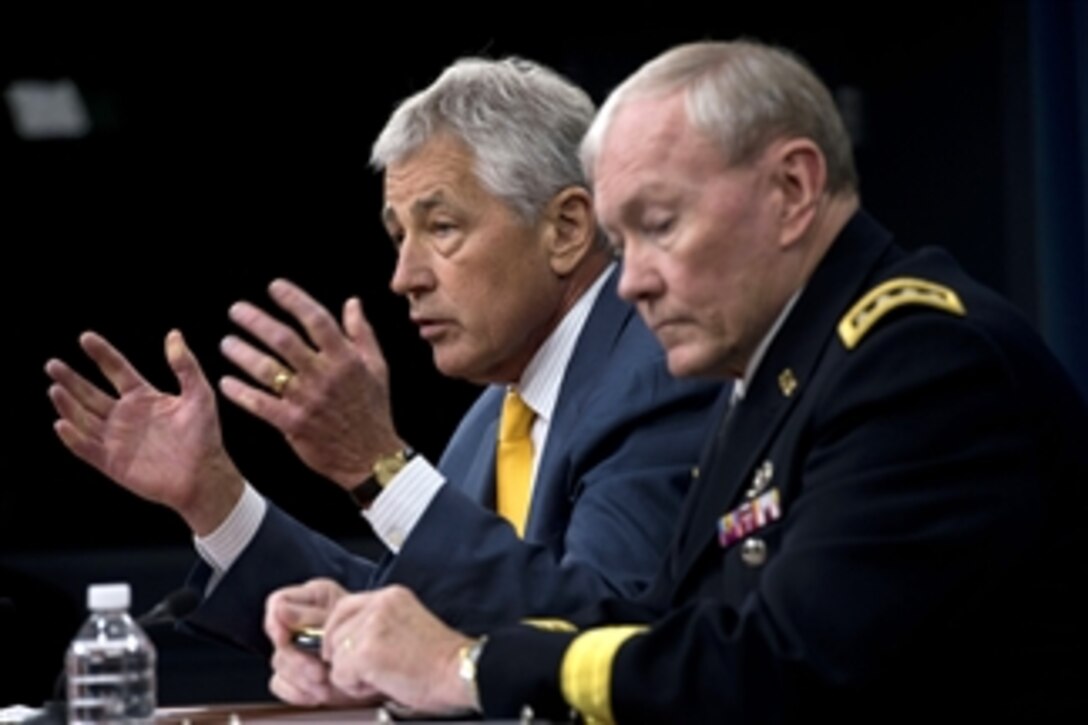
column 419, row 207
column 426, row 203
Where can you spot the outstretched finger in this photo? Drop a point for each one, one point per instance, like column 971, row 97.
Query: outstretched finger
column 117, row 369
column 86, row 393
column 362, row 336
column 280, row 338
column 259, row 366
column 186, row 368
column 83, row 446
column 318, row 322
column 267, row 407
column 70, row 409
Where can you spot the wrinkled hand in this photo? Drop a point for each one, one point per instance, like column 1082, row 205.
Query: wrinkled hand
column 385, row 640
column 300, row 678
column 334, row 408
column 164, row 448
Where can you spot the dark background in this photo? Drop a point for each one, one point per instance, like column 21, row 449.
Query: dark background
column 231, row 148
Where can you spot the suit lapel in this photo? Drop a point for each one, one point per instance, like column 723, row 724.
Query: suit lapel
column 469, row 460
column 599, row 336
column 481, row 473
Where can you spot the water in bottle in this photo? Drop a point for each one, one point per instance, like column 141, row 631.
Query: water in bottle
column 110, row 664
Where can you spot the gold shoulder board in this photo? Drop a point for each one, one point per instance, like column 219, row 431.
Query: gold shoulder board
column 890, row 295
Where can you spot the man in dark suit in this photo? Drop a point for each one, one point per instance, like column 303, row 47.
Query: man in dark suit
column 509, row 281
column 888, row 524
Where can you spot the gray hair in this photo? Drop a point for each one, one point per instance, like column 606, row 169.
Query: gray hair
column 522, row 121
column 744, row 95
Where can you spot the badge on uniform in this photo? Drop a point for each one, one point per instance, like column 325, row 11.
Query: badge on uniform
column 750, row 516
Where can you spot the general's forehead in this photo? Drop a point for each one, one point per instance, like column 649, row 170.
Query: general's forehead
column 650, row 148
column 646, row 117
column 641, row 126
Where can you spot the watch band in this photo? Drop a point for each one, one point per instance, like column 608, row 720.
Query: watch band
column 382, row 473
column 468, row 662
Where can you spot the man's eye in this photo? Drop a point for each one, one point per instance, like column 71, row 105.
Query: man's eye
column 659, row 227
column 397, row 238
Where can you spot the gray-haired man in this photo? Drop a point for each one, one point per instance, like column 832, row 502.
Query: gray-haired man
column 509, row 281
column 887, row 526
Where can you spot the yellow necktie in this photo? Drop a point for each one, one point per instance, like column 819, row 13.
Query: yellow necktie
column 514, row 461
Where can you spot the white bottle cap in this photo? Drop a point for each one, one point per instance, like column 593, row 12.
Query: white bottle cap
column 108, row 596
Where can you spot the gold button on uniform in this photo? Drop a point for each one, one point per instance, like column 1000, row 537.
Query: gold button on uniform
column 787, row 382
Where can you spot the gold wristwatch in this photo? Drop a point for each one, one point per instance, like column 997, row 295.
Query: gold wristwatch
column 382, row 473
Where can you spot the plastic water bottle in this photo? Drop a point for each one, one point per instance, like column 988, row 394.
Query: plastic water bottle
column 110, row 664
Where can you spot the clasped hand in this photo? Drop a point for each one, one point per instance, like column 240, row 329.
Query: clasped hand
column 377, row 645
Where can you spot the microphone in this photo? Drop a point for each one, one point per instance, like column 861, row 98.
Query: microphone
column 174, row 606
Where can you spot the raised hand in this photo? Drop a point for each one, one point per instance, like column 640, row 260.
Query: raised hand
column 164, row 448
column 328, row 394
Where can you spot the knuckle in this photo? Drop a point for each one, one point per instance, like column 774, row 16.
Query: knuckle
column 395, row 596
column 278, row 336
column 310, row 318
column 290, row 425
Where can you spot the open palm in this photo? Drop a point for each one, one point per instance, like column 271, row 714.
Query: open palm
column 165, row 448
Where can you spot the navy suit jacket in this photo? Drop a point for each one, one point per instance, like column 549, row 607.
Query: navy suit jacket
column 611, row 480
column 928, row 561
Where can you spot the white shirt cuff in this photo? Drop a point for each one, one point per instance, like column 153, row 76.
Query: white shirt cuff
column 222, row 547
column 397, row 509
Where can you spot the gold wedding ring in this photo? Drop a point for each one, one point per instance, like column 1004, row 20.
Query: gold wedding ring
column 280, row 381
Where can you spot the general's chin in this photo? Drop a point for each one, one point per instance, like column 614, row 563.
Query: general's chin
column 688, row 361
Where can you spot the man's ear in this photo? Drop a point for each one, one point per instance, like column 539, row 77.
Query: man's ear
column 800, row 175
column 571, row 229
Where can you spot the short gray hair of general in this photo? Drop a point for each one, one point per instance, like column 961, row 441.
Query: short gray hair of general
column 744, row 95
column 522, row 121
